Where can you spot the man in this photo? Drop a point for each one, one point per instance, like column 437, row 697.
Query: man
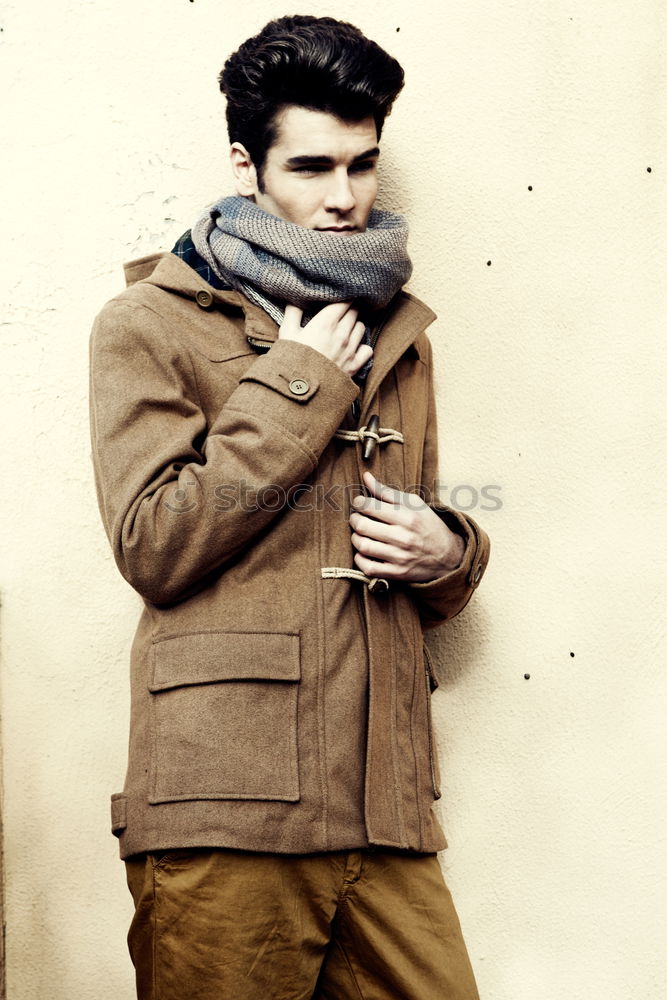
column 263, row 434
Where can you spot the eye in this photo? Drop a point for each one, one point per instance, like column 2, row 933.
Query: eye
column 314, row 168
column 363, row 168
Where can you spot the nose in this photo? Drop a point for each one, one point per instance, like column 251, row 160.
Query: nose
column 340, row 196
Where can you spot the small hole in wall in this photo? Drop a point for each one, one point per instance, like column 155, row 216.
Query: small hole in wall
column 648, row 170
column 572, row 654
column 526, row 677
column 488, row 263
column 530, row 187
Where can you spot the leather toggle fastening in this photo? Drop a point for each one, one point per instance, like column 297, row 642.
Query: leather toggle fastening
column 371, row 437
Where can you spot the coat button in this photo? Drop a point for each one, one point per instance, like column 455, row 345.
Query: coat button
column 204, row 298
column 299, row 386
column 476, row 575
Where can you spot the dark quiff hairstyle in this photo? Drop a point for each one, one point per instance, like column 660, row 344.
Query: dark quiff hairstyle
column 314, row 62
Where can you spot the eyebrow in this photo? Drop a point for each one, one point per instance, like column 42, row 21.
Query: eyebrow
column 305, row 161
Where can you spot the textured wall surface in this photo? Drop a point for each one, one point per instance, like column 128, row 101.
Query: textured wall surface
column 528, row 150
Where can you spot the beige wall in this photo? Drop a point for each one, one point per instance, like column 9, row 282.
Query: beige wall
column 549, row 363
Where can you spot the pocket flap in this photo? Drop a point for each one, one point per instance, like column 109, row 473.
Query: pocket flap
column 118, row 813
column 207, row 657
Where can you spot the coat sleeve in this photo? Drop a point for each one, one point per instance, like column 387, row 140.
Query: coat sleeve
column 177, row 494
column 444, row 597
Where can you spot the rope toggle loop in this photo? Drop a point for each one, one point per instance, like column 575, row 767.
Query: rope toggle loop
column 375, row 584
column 370, row 435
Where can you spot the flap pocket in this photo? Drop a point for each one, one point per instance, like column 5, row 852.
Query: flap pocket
column 118, row 813
column 224, row 716
column 206, row 657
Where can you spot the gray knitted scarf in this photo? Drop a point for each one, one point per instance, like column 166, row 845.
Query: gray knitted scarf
column 275, row 262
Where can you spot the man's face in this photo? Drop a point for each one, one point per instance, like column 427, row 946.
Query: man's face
column 321, row 172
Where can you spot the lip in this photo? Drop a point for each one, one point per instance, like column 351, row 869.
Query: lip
column 337, row 229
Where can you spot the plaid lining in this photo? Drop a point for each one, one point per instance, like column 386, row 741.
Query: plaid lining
column 185, row 249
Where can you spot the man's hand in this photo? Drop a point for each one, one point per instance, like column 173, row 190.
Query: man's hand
column 334, row 331
column 397, row 536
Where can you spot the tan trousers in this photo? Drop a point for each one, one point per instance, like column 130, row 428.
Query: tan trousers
column 349, row 925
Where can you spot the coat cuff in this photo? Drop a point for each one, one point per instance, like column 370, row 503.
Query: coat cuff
column 445, row 596
column 297, row 387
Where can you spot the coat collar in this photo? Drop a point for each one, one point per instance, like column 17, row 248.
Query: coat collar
column 408, row 316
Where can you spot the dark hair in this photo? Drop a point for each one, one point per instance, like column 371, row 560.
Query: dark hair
column 313, row 62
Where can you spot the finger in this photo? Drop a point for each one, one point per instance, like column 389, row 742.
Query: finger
column 336, row 311
column 380, row 495
column 357, row 334
column 346, row 325
column 380, row 531
column 379, row 551
column 362, row 354
column 390, row 513
column 380, row 490
column 291, row 320
column 372, row 568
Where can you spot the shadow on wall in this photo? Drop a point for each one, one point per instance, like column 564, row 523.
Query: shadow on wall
column 457, row 647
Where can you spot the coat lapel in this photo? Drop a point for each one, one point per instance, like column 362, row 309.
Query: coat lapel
column 409, row 318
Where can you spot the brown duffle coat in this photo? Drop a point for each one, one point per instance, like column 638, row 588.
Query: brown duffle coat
column 277, row 703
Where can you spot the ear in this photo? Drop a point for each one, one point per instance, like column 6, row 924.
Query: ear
column 243, row 169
